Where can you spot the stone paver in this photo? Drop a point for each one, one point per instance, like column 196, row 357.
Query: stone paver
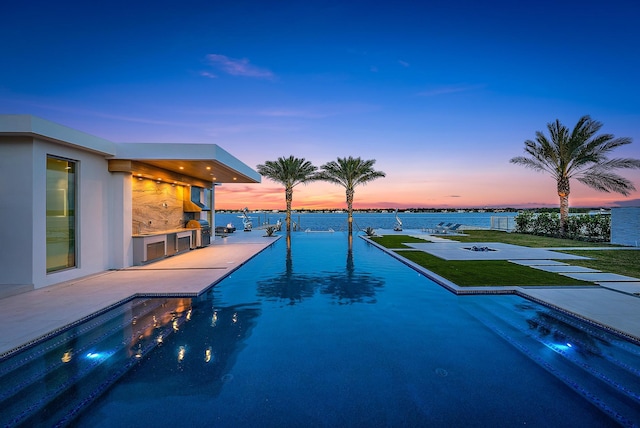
column 632, row 287
column 600, row 277
column 565, row 269
column 537, row 262
column 618, row 311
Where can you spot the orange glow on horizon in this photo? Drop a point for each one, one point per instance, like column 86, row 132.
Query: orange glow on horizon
column 318, row 196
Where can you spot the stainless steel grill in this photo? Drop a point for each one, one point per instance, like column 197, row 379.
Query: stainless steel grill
column 204, row 237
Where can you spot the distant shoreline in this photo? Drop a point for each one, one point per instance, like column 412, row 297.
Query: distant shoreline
column 416, row 210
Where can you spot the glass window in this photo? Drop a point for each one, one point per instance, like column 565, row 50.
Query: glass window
column 61, row 214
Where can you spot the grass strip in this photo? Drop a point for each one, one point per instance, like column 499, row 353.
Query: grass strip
column 486, row 273
column 396, row 241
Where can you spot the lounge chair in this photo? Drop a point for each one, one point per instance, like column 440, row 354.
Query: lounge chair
column 453, row 229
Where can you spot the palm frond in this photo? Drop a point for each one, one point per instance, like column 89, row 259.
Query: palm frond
column 606, row 181
column 349, row 172
column 289, row 171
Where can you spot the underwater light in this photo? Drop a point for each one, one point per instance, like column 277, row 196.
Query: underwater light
column 66, row 357
column 560, row 346
column 93, row 355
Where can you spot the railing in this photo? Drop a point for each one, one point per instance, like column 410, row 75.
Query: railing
column 503, row 223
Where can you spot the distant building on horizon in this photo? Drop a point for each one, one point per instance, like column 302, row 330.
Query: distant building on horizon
column 625, row 225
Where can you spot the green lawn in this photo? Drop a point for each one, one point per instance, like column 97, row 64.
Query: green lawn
column 396, row 241
column 487, row 273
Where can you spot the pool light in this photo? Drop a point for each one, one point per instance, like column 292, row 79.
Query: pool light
column 66, row 357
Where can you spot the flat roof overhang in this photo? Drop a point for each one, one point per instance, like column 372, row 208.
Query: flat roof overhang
column 184, row 163
column 180, row 171
column 195, row 164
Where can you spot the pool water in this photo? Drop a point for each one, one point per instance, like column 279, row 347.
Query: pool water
column 325, row 335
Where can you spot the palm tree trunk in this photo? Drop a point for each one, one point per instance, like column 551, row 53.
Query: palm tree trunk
column 350, row 193
column 563, row 193
column 289, row 199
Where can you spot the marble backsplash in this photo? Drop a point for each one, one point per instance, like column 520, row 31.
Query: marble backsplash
column 156, row 206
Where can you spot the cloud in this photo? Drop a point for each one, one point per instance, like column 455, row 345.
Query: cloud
column 238, row 67
column 444, row 90
column 455, row 196
column 403, row 63
column 209, row 75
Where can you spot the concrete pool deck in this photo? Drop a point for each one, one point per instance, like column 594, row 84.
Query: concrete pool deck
column 29, row 316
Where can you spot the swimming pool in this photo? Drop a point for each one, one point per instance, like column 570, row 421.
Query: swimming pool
column 324, row 336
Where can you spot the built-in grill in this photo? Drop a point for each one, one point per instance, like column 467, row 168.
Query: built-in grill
column 203, row 238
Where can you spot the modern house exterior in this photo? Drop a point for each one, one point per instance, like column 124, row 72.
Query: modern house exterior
column 73, row 204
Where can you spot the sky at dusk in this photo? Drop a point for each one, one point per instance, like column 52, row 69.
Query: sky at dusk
column 441, row 94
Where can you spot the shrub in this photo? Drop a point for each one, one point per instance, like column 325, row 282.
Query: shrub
column 524, row 222
column 580, row 227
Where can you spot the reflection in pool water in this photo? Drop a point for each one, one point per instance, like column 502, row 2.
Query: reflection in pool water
column 323, row 333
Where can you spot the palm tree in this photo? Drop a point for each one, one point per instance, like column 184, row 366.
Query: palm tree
column 349, row 172
column 289, row 172
column 579, row 154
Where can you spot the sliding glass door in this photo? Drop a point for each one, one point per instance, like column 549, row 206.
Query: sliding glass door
column 61, row 214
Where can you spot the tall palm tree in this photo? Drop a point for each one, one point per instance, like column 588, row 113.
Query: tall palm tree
column 289, row 172
column 348, row 173
column 579, row 154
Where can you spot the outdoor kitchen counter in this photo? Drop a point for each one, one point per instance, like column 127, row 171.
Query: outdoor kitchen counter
column 161, row 232
column 153, row 246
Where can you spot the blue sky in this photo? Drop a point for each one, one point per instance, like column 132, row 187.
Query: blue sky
column 441, row 94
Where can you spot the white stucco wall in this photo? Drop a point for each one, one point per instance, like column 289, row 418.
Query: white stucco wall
column 93, row 213
column 23, row 163
column 16, row 211
column 625, row 226
column 120, row 201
